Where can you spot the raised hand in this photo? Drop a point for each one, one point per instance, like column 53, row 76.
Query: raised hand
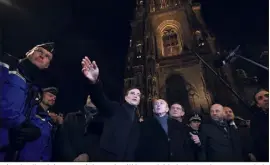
column 82, row 158
column 90, row 69
column 252, row 157
column 195, row 138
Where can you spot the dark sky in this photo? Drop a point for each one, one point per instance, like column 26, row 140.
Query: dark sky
column 100, row 30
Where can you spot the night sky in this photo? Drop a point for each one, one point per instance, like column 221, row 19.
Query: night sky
column 101, row 30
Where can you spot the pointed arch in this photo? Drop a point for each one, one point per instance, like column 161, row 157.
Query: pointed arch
column 170, row 38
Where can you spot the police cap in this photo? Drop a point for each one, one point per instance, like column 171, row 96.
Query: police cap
column 195, row 117
column 52, row 90
column 48, row 46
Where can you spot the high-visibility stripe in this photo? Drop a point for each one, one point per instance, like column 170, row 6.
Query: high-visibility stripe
column 4, row 65
column 17, row 74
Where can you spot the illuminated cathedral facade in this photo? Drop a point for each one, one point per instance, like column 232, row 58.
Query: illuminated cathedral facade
column 160, row 61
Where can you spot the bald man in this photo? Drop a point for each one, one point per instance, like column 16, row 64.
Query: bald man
column 220, row 141
column 163, row 138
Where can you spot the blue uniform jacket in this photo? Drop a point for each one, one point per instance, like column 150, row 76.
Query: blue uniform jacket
column 40, row 149
column 14, row 86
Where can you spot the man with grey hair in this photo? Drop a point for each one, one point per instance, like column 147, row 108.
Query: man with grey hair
column 164, row 139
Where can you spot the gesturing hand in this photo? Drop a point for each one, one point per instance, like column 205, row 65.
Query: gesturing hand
column 195, row 138
column 90, row 69
column 82, row 158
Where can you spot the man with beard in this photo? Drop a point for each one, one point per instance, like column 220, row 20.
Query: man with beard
column 220, row 141
column 229, row 116
column 79, row 137
column 50, row 118
column 47, row 125
column 259, row 126
column 121, row 130
column 164, row 139
column 48, row 101
column 243, row 132
column 18, row 103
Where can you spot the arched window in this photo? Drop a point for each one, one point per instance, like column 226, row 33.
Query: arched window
column 171, row 43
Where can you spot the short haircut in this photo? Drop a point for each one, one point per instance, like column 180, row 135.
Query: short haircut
column 129, row 89
column 155, row 99
column 257, row 91
column 183, row 109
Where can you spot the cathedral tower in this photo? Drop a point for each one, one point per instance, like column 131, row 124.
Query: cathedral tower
column 160, row 61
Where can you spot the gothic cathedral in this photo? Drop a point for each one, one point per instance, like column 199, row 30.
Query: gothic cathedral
column 160, row 61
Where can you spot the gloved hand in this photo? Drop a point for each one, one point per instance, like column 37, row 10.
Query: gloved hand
column 26, row 132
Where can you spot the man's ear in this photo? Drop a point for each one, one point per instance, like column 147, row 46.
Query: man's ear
column 167, row 109
column 182, row 113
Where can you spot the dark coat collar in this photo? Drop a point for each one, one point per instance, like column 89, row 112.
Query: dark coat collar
column 29, row 71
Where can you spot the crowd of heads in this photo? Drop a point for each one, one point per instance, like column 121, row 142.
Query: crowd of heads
column 41, row 56
column 217, row 111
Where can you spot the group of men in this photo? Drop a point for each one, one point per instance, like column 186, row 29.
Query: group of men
column 104, row 130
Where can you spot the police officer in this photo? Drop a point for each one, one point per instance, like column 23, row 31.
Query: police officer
column 47, row 126
column 194, row 125
column 18, row 100
column 48, row 100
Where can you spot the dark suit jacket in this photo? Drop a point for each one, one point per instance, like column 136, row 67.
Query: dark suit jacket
column 156, row 146
column 74, row 138
column 117, row 128
column 219, row 145
column 259, row 127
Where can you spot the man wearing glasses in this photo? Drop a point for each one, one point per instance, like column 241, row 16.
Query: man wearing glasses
column 18, row 98
column 259, row 126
